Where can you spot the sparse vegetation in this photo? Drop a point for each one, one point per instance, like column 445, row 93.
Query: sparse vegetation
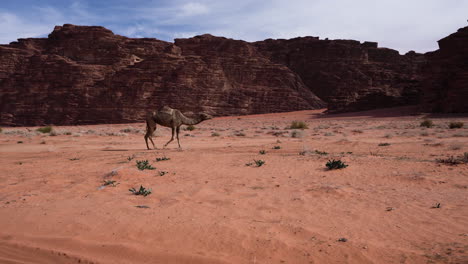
column 129, row 158
column 259, row 163
column 73, row 159
column 297, row 134
column 144, row 165
column 215, row 134
column 46, row 129
column 357, row 131
column 142, row 191
column 162, row 173
column 454, row 125
column 437, row 205
column 20, row 142
column 427, row 123
column 262, row 152
column 110, row 182
column 321, row 152
column 462, row 159
column 162, row 159
column 190, row 128
column 277, row 147
column 384, row 144
column 335, row 164
column 298, row 125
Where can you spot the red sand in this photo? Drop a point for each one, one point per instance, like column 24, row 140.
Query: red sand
column 212, row 208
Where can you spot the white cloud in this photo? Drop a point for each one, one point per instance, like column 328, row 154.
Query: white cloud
column 398, row 24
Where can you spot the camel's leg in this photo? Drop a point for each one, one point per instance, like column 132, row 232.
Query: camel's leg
column 149, row 134
column 177, row 133
column 172, row 138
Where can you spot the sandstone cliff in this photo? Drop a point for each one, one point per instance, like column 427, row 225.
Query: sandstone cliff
column 446, row 75
column 85, row 75
column 349, row 75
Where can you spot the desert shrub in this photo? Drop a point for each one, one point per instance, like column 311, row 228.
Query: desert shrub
column 384, row 144
column 53, row 133
column 129, row 158
column 462, row 159
column 298, row 125
column 297, row 134
column 162, row 158
column 20, row 142
column 321, row 152
column 335, row 164
column 144, row 165
column 453, row 125
column 328, row 134
column 427, row 123
column 215, row 134
column 277, row 147
column 262, row 152
column 239, row 134
column 142, row 191
column 357, row 131
column 259, row 163
column 110, row 182
column 190, row 128
column 46, row 129
column 162, row 173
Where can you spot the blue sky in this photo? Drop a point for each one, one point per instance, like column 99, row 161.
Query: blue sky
column 399, row 24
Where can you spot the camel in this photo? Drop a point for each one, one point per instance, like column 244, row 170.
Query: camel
column 172, row 118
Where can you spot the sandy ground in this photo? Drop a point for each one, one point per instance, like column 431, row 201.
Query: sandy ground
column 210, row 207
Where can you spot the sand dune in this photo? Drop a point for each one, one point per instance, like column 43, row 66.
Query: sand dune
column 209, row 207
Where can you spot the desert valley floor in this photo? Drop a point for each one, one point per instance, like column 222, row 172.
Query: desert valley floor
column 394, row 203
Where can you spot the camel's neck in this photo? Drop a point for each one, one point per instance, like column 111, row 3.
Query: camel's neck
column 190, row 121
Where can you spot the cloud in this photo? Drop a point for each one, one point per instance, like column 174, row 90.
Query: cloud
column 402, row 25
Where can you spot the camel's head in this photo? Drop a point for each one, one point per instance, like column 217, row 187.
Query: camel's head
column 205, row 116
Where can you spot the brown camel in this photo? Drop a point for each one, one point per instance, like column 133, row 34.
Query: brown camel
column 172, row 118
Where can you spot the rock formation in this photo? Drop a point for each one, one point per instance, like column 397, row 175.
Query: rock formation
column 88, row 75
column 347, row 74
column 446, row 75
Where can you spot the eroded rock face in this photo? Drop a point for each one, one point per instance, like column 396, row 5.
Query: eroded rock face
column 349, row 75
column 88, row 75
column 446, row 75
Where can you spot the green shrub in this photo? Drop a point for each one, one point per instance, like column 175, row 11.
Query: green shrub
column 453, row 125
column 298, row 125
column 384, row 144
column 163, row 158
column 46, row 129
column 190, row 128
column 144, row 165
column 142, row 191
column 427, row 123
column 335, row 164
column 259, row 163
column 321, row 152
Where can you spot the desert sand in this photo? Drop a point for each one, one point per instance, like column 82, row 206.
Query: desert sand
column 392, row 204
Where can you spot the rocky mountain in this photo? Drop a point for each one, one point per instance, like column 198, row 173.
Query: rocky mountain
column 446, row 75
column 87, row 74
column 349, row 75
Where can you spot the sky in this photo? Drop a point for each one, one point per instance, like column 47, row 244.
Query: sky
column 398, row 24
